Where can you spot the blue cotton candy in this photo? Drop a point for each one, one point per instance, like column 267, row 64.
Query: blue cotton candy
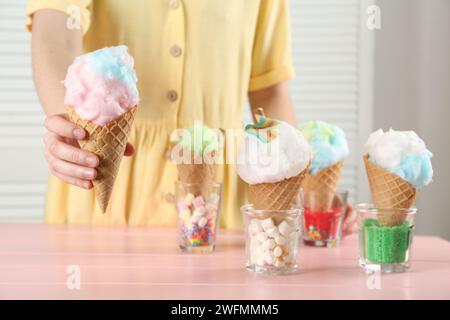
column 416, row 169
column 113, row 63
column 402, row 153
column 328, row 143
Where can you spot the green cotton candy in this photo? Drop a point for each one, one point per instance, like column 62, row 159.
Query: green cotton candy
column 199, row 139
column 319, row 129
column 385, row 244
column 328, row 143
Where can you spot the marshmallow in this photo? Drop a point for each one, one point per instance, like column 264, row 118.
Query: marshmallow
column 269, row 258
column 211, row 207
column 202, row 222
column 185, row 214
column 284, row 228
column 280, row 240
column 261, row 236
column 213, row 199
column 181, row 206
column 277, row 252
column 188, row 224
column 254, row 228
column 211, row 215
column 196, row 218
column 198, row 202
column 272, row 232
column 260, row 261
column 255, row 222
column 267, row 224
column 188, row 199
column 279, row 263
column 269, row 244
column 260, row 250
column 199, row 211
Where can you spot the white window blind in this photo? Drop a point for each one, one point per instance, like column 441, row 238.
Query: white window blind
column 23, row 171
column 332, row 58
column 329, row 54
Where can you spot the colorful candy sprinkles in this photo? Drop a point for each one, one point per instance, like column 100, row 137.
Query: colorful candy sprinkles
column 197, row 219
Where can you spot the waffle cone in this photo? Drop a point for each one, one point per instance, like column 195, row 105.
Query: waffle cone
column 200, row 176
column 389, row 191
column 324, row 182
column 108, row 142
column 280, row 195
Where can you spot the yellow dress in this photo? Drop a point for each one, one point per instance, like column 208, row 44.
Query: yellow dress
column 196, row 60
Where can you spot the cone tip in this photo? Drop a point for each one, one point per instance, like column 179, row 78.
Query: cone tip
column 103, row 206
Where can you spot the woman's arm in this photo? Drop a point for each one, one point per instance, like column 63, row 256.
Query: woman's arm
column 54, row 47
column 276, row 102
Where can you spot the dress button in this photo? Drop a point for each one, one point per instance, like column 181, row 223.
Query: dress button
column 172, row 96
column 176, row 51
column 174, row 4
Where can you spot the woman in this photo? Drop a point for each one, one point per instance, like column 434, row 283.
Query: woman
column 195, row 60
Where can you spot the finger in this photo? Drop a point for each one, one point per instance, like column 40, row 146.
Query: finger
column 129, row 150
column 74, row 181
column 63, row 127
column 61, row 150
column 350, row 229
column 350, row 215
column 72, row 170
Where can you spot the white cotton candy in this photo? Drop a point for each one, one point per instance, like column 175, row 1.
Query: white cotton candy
column 285, row 156
column 388, row 148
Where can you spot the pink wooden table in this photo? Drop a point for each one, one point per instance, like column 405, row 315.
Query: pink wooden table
column 140, row 263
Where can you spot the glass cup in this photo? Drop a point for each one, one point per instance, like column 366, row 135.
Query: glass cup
column 198, row 208
column 385, row 238
column 271, row 239
column 322, row 218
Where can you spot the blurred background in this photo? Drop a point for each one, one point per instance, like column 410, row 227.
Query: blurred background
column 347, row 74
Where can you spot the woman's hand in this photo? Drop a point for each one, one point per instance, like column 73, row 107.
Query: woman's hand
column 350, row 222
column 65, row 158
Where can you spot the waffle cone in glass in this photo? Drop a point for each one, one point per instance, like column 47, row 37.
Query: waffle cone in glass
column 324, row 182
column 389, row 191
column 201, row 175
column 281, row 195
column 108, row 142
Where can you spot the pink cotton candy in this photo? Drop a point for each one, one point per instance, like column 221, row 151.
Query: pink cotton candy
column 97, row 97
